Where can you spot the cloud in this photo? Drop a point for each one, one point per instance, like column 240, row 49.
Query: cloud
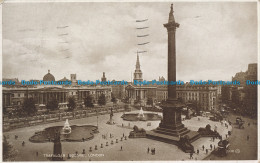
column 213, row 38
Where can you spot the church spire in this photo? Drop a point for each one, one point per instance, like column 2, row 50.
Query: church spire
column 137, row 66
column 138, row 75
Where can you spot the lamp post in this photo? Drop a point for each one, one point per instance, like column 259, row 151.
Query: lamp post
column 97, row 117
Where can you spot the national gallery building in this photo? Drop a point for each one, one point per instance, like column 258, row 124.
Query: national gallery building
column 13, row 96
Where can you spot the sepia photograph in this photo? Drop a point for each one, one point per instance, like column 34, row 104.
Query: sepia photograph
column 129, row 81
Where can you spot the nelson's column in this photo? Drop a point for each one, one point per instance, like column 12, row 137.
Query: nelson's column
column 171, row 128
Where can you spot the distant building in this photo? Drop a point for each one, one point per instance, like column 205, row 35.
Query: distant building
column 14, row 96
column 48, row 77
column 205, row 96
column 240, row 76
column 103, row 79
column 139, row 94
column 245, row 96
column 251, row 90
column 119, row 90
column 226, row 94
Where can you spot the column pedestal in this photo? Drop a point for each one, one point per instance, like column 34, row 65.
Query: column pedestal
column 171, row 129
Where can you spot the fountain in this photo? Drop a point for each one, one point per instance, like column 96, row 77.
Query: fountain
column 141, row 113
column 141, row 116
column 74, row 133
column 66, row 129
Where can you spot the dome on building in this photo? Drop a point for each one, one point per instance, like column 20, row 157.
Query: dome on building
column 48, row 77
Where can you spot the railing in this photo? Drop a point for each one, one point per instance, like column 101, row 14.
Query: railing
column 10, row 124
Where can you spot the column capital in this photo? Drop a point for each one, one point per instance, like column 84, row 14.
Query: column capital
column 171, row 26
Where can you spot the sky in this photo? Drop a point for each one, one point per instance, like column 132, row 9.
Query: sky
column 215, row 40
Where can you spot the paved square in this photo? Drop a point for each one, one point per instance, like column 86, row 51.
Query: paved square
column 132, row 149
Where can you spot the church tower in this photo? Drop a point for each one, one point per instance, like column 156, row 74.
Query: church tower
column 138, row 75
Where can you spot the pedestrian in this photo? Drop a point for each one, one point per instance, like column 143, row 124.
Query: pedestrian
column 211, row 146
column 121, row 148
column 207, row 151
column 148, row 149
column 203, row 147
column 247, row 137
column 23, row 143
column 198, row 151
column 191, row 154
column 123, row 134
column 37, row 153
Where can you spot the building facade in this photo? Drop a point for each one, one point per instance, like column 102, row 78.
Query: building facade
column 205, row 96
column 13, row 97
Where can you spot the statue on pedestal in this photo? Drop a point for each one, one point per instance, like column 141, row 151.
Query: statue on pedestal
column 57, row 150
column 111, row 121
column 137, row 133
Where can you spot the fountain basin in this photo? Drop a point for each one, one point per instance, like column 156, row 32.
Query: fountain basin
column 144, row 117
column 77, row 134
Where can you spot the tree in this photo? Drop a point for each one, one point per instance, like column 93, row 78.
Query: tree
column 88, row 101
column 225, row 93
column 29, row 106
column 180, row 99
column 138, row 100
column 235, row 97
column 52, row 104
column 102, row 99
column 149, row 101
column 113, row 99
column 195, row 105
column 8, row 150
column 5, row 110
column 126, row 99
column 72, row 104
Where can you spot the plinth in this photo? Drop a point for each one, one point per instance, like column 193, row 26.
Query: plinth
column 171, row 129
